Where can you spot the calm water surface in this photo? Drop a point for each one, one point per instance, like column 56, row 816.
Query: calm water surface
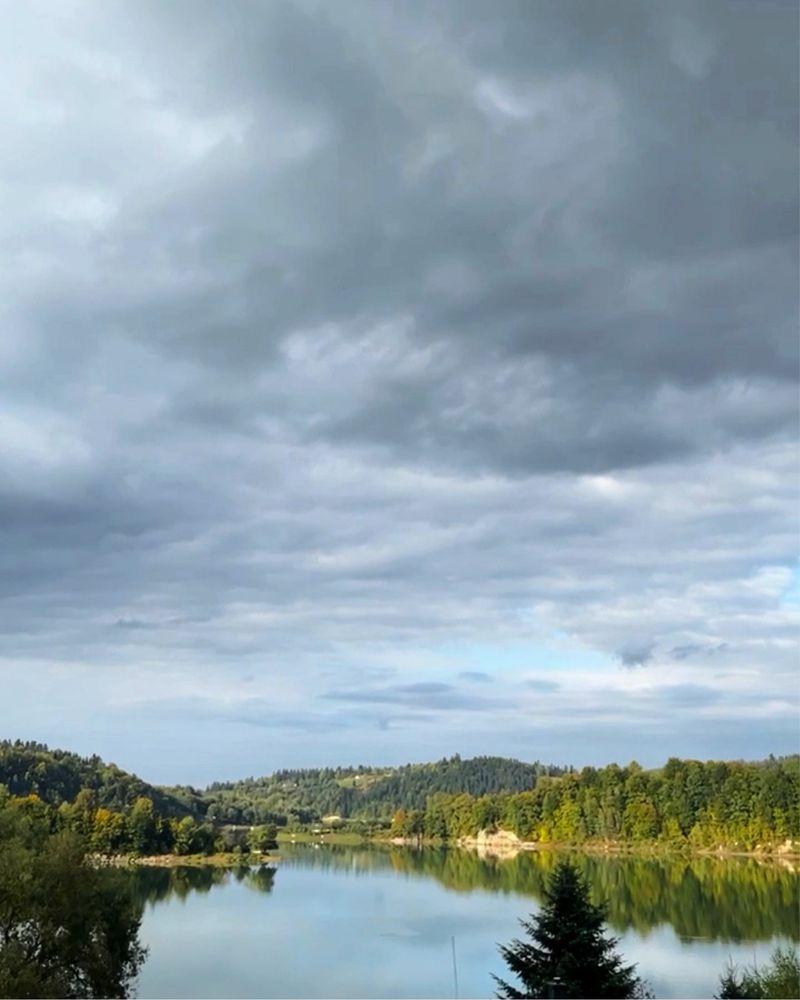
column 372, row 922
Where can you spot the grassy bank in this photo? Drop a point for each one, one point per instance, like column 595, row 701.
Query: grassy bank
column 219, row 860
column 328, row 837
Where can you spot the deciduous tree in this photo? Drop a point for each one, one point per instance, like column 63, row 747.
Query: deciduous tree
column 779, row 979
column 67, row 929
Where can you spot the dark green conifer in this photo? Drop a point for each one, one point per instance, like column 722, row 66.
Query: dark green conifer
column 568, row 954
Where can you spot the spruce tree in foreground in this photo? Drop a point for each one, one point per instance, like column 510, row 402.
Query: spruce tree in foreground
column 568, row 954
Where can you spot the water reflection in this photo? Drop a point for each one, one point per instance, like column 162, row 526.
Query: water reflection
column 383, row 920
column 705, row 898
column 153, row 885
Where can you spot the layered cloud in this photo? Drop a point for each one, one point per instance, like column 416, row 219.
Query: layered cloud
column 354, row 353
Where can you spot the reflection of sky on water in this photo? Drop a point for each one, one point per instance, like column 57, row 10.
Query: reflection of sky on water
column 678, row 968
column 320, row 932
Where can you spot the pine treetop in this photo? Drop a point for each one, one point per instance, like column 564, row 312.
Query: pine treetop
column 568, row 951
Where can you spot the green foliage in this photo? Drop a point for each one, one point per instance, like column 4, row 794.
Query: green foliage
column 57, row 776
column 66, row 929
column 109, row 832
column 408, row 823
column 262, row 838
column 192, row 838
column 231, row 839
column 143, row 826
column 365, row 794
column 140, row 831
column 778, row 980
column 686, row 804
column 568, row 952
column 184, row 836
column 689, row 804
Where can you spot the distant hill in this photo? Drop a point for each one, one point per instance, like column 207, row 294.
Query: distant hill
column 685, row 802
column 366, row 793
column 306, row 795
column 57, row 776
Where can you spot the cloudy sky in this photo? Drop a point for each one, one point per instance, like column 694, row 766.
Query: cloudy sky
column 384, row 380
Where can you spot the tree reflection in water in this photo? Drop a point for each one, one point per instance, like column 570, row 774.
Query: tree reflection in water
column 154, row 885
column 714, row 899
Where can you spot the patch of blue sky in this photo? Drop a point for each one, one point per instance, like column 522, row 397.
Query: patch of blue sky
column 791, row 596
column 522, row 657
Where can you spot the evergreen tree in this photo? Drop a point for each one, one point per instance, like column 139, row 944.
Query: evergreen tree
column 568, row 954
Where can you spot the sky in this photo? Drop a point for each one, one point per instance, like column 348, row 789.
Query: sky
column 383, row 381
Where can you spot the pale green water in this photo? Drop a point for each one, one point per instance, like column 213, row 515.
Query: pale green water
column 368, row 922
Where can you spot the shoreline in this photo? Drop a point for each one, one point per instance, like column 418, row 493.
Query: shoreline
column 501, row 847
column 219, row 860
column 504, row 845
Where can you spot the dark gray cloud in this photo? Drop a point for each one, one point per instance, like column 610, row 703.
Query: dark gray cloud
column 337, row 336
column 636, row 653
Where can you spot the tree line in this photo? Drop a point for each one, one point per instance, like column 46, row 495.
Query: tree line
column 687, row 803
column 56, row 776
column 288, row 796
column 140, row 830
column 369, row 795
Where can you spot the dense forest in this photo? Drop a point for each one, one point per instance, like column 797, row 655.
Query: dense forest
column 140, row 830
column 736, row 805
column 366, row 794
column 57, row 776
column 685, row 804
column 111, row 810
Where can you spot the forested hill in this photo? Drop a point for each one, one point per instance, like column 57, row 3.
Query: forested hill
column 736, row 804
column 366, row 793
column 57, row 776
column 410, row 787
column 304, row 796
column 687, row 803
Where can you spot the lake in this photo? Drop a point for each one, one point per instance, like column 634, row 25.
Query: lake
column 378, row 922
